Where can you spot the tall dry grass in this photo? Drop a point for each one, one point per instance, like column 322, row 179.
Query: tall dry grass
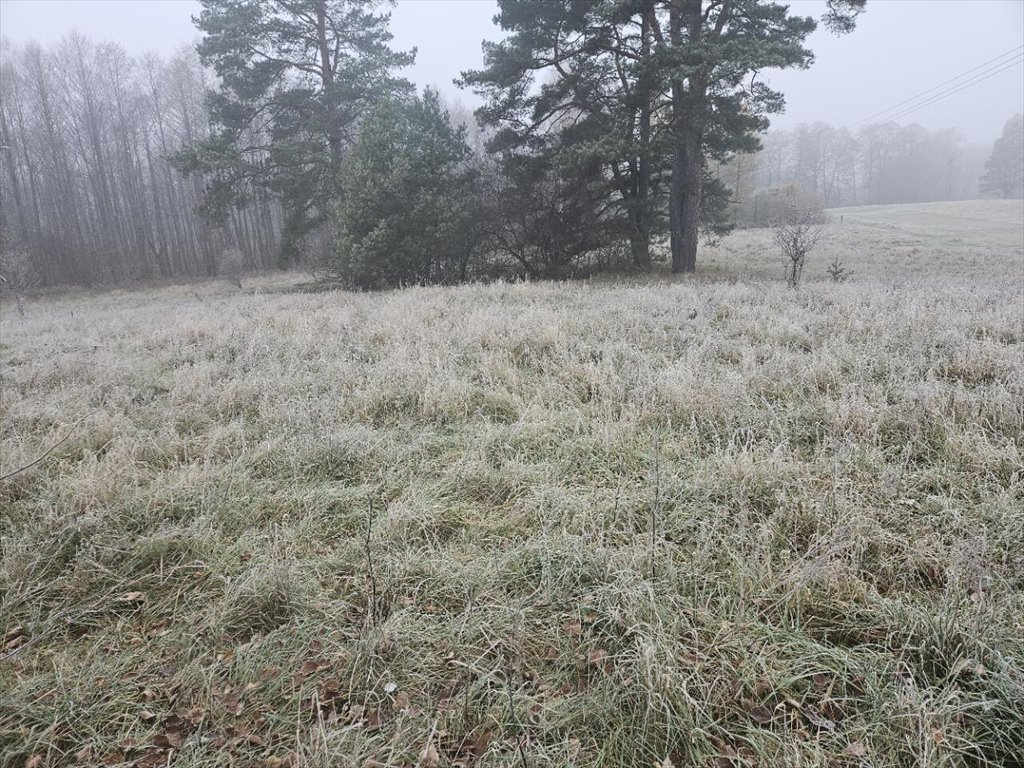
column 706, row 522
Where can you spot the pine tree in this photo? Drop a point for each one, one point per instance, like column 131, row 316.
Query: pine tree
column 295, row 78
column 666, row 85
column 407, row 212
column 594, row 107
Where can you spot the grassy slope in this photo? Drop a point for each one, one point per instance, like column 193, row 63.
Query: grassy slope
column 702, row 522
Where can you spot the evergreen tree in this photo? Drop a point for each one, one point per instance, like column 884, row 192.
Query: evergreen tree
column 295, row 78
column 709, row 53
column 594, row 109
column 547, row 214
column 669, row 84
column 1004, row 171
column 408, row 198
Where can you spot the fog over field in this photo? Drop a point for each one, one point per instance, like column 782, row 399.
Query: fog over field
column 902, row 48
column 619, row 383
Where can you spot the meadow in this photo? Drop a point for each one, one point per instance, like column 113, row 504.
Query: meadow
column 657, row 522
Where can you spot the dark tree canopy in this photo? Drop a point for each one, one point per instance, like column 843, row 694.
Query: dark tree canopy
column 407, row 212
column 669, row 83
column 593, row 105
column 295, row 77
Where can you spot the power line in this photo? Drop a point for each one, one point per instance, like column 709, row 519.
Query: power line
column 1015, row 51
column 961, row 87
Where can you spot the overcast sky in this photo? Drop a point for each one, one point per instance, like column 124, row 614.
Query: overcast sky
column 900, row 49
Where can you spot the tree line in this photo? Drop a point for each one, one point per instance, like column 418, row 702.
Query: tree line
column 880, row 164
column 289, row 136
column 602, row 118
column 88, row 191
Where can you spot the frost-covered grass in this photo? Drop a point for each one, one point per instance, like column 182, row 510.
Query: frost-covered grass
column 702, row 522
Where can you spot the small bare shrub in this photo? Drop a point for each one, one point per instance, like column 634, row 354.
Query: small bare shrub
column 17, row 274
column 797, row 231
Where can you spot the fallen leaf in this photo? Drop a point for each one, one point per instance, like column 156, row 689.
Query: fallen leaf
column 310, row 667
column 832, row 709
column 232, row 703
column 597, row 657
column 271, row 672
column 14, row 638
column 169, row 740
column 34, row 761
column 483, row 740
column 152, row 759
column 938, row 736
column 688, row 658
column 402, row 700
column 758, row 713
column 574, row 628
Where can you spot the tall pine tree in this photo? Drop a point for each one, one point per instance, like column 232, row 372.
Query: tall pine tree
column 671, row 83
column 295, row 78
column 594, row 104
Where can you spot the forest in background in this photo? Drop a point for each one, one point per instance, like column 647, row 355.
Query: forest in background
column 117, row 169
column 88, row 192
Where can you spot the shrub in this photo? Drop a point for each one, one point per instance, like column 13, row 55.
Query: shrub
column 796, row 231
column 406, row 215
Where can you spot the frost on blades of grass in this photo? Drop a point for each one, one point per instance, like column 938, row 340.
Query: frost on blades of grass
column 833, row 477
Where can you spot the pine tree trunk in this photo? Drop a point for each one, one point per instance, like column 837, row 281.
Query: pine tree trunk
column 640, row 237
column 684, row 201
column 639, row 246
column 687, row 170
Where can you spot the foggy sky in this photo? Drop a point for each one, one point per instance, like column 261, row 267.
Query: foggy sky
column 900, row 48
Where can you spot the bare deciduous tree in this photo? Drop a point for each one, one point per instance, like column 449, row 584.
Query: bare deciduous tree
column 796, row 232
column 16, row 274
column 88, row 193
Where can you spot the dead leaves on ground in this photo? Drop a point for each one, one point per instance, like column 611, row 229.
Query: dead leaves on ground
column 13, row 639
